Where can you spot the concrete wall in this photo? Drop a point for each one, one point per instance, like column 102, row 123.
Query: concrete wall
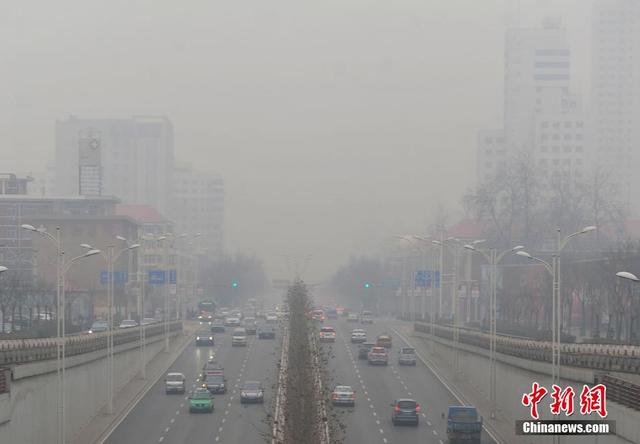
column 30, row 414
column 514, row 377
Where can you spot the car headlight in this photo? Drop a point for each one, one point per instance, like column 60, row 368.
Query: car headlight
column 222, row 385
column 211, row 338
column 90, row 331
column 197, row 338
column 243, row 393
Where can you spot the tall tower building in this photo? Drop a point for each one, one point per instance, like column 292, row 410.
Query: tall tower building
column 616, row 93
column 129, row 158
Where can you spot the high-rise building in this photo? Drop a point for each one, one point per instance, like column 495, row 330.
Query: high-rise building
column 129, row 158
column 198, row 207
column 536, row 80
column 491, row 154
column 616, row 93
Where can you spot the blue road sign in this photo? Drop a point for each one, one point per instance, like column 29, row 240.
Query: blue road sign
column 424, row 278
column 157, row 277
column 119, row 277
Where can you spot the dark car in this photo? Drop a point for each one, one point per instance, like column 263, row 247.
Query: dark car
column 217, row 326
column 204, row 337
column 251, row 391
column 364, row 349
column 215, row 383
column 266, row 332
column 405, row 411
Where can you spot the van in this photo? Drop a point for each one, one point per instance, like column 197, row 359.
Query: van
column 239, row 337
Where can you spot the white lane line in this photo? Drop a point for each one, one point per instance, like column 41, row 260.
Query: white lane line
column 378, row 421
column 385, row 440
column 375, row 414
column 172, row 420
column 166, row 430
column 224, row 420
column 182, row 404
column 435, row 433
column 177, row 412
column 226, row 412
column 161, row 439
column 381, row 431
column 219, row 429
column 217, row 438
column 440, row 442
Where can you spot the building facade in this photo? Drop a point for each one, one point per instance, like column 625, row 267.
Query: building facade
column 616, row 93
column 129, row 158
column 198, row 207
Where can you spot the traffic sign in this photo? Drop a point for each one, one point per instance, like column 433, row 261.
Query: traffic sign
column 157, row 277
column 119, row 277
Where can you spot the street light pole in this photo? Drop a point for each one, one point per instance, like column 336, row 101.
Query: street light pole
column 494, row 259
column 556, row 300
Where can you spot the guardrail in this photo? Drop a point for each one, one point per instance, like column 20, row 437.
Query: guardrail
column 20, row 351
column 325, row 437
column 621, row 358
column 620, row 391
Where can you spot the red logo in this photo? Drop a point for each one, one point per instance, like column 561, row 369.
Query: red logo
column 532, row 399
column 562, row 400
column 594, row 400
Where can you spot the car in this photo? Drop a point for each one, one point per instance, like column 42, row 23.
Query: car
column 332, row 313
column 232, row 321
column 201, row 400
column 364, row 349
column 384, row 341
column 128, row 323
column 215, row 383
column 174, row 382
column 407, row 356
column 148, row 321
column 358, row 336
column 366, row 317
column 204, row 337
column 251, row 391
column 99, row 327
column 405, row 411
column 327, row 334
column 217, row 327
column 271, row 318
column 378, row 355
column 464, row 424
column 343, row 395
column 266, row 332
column 352, row 317
column 250, row 325
column 205, row 322
column 318, row 315
column 239, row 337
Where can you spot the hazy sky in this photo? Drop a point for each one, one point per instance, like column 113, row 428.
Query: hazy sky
column 334, row 122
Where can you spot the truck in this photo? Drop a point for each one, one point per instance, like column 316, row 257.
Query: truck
column 464, row 425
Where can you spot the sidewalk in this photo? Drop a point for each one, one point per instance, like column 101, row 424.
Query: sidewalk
column 501, row 428
column 126, row 399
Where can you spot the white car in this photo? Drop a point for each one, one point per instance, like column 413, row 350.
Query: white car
column 271, row 318
column 174, row 383
column 343, row 395
column 358, row 336
column 232, row 322
column 128, row 323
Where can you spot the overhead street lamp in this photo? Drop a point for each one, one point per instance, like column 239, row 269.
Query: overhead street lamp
column 494, row 258
column 110, row 259
column 556, row 301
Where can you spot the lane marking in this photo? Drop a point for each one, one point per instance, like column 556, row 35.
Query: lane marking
column 166, row 430
column 161, row 439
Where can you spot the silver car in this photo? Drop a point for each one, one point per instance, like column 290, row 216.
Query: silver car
column 174, row 383
column 251, row 391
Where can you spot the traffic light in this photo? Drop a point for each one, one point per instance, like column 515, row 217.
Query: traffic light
column 235, row 284
column 368, row 285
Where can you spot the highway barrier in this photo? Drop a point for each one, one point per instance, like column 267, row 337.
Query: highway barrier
column 620, row 390
column 620, row 358
column 20, row 351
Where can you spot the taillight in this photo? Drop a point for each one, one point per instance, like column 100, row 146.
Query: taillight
column 334, row 396
column 417, row 408
column 397, row 409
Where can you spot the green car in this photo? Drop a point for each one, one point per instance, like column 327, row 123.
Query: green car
column 200, row 400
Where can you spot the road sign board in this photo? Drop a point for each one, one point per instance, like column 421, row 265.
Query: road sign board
column 119, row 277
column 424, row 278
column 157, row 277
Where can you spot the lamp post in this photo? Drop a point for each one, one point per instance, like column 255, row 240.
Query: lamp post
column 494, row 258
column 427, row 242
column 556, row 296
column 110, row 259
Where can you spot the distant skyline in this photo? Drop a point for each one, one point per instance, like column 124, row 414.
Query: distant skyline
column 334, row 124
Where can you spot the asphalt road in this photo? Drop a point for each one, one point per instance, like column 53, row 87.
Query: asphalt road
column 377, row 386
column 162, row 418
